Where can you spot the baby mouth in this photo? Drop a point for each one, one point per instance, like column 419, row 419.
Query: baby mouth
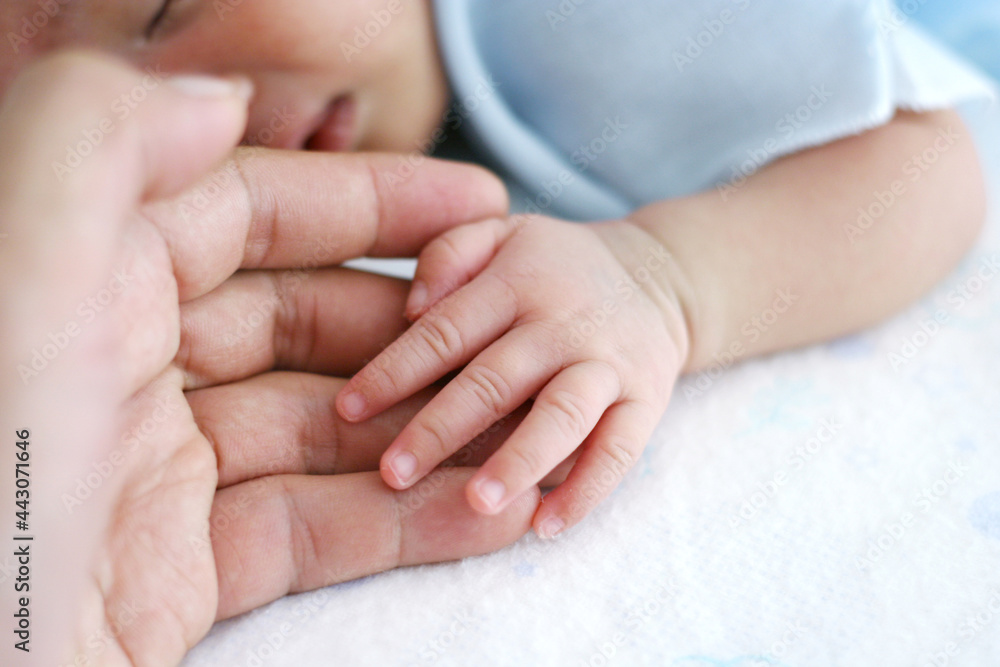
column 338, row 127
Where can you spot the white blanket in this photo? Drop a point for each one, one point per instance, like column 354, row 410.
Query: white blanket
column 838, row 505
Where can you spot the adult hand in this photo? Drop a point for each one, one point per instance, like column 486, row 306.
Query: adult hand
column 168, row 332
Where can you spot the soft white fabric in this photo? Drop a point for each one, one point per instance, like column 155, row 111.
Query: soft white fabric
column 680, row 569
column 594, row 107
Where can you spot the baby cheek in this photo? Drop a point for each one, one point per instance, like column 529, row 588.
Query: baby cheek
column 278, row 36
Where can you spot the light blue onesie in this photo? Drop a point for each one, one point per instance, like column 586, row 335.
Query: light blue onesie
column 593, row 108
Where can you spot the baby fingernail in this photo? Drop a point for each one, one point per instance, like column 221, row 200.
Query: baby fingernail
column 551, row 527
column 492, row 492
column 353, row 405
column 403, row 466
column 418, row 298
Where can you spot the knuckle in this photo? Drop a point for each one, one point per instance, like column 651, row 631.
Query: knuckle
column 487, row 386
column 302, row 540
column 524, row 221
column 568, row 411
column 526, row 460
column 562, row 340
column 383, row 375
column 441, row 336
column 261, row 211
column 507, row 288
column 435, row 437
column 289, row 320
column 608, row 373
column 445, row 248
column 615, row 458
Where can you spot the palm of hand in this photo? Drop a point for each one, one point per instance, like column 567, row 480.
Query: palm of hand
column 152, row 425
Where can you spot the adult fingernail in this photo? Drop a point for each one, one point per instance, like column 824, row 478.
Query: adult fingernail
column 492, row 492
column 551, row 527
column 353, row 405
column 403, row 466
column 418, row 298
column 200, row 85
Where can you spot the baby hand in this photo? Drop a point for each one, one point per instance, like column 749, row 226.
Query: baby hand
column 582, row 318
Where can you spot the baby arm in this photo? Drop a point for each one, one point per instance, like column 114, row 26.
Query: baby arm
column 794, row 230
column 597, row 322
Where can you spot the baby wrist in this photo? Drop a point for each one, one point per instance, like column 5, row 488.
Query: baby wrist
column 652, row 268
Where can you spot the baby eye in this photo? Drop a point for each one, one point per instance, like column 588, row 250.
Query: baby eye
column 158, row 18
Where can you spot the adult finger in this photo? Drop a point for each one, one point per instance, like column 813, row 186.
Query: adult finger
column 284, row 423
column 293, row 210
column 63, row 220
column 327, row 321
column 286, row 534
column 76, row 168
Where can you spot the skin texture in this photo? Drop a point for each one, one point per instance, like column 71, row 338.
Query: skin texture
column 292, row 50
column 183, row 471
column 507, row 295
column 525, row 320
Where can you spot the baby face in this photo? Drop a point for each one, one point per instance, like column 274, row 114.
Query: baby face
column 329, row 74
